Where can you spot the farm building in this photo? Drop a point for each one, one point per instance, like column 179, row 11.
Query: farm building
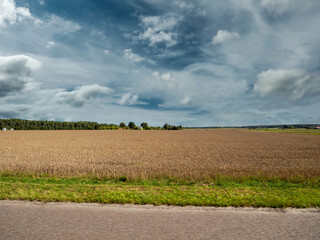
column 4, row 129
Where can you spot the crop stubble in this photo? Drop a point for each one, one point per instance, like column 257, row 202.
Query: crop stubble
column 187, row 154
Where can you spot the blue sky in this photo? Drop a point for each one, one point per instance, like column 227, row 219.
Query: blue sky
column 195, row 63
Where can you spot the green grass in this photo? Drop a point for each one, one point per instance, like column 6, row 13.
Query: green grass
column 294, row 130
column 221, row 192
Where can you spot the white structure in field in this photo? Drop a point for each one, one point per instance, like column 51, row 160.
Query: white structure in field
column 4, row 129
column 11, row 129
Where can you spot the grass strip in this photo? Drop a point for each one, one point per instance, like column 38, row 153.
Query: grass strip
column 224, row 193
column 299, row 131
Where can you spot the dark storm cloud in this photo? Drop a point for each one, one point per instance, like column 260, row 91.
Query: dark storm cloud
column 9, row 114
column 15, row 73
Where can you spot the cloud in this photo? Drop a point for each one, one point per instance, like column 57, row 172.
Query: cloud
column 165, row 78
column 224, row 36
column 276, row 7
column 129, row 55
column 158, row 29
column 50, row 44
column 81, row 95
column 106, row 52
column 41, row 2
column 186, row 100
column 60, row 25
column 293, row 83
column 15, row 73
column 99, row 34
column 9, row 114
column 129, row 99
column 184, row 5
column 133, row 57
column 10, row 14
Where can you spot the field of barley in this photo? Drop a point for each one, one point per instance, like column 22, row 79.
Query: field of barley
column 186, row 154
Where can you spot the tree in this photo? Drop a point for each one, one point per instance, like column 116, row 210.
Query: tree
column 166, row 126
column 131, row 125
column 144, row 125
column 122, row 125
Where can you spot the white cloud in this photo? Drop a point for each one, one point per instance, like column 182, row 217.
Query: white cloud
column 184, row 5
column 224, row 36
column 159, row 23
column 10, row 14
column 293, row 83
column 133, row 57
column 59, row 24
column 158, row 29
column 50, row 44
column 99, row 34
column 106, row 52
column 41, row 2
column 186, row 100
column 166, row 76
column 16, row 73
column 129, row 55
column 156, row 74
column 81, row 95
column 129, row 99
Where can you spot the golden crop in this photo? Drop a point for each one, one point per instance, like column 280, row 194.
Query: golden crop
column 188, row 154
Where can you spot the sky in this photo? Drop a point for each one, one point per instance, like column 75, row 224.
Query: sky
column 196, row 62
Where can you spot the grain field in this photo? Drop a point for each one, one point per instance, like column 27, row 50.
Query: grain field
column 187, row 154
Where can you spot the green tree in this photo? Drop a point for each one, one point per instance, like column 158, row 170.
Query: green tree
column 131, row 125
column 122, row 125
column 144, row 125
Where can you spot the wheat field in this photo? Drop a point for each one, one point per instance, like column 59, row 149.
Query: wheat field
column 187, row 154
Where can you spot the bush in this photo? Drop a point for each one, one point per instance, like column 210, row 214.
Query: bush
column 123, row 179
column 166, row 126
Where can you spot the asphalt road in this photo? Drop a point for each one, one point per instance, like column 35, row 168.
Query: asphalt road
column 30, row 220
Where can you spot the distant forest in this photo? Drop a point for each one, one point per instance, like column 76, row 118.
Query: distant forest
column 19, row 124
column 291, row 126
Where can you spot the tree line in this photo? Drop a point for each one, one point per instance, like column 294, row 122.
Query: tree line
column 20, row 124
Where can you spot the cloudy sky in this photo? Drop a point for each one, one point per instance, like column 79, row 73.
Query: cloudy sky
column 195, row 63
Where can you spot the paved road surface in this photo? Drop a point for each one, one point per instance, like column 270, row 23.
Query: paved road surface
column 29, row 220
